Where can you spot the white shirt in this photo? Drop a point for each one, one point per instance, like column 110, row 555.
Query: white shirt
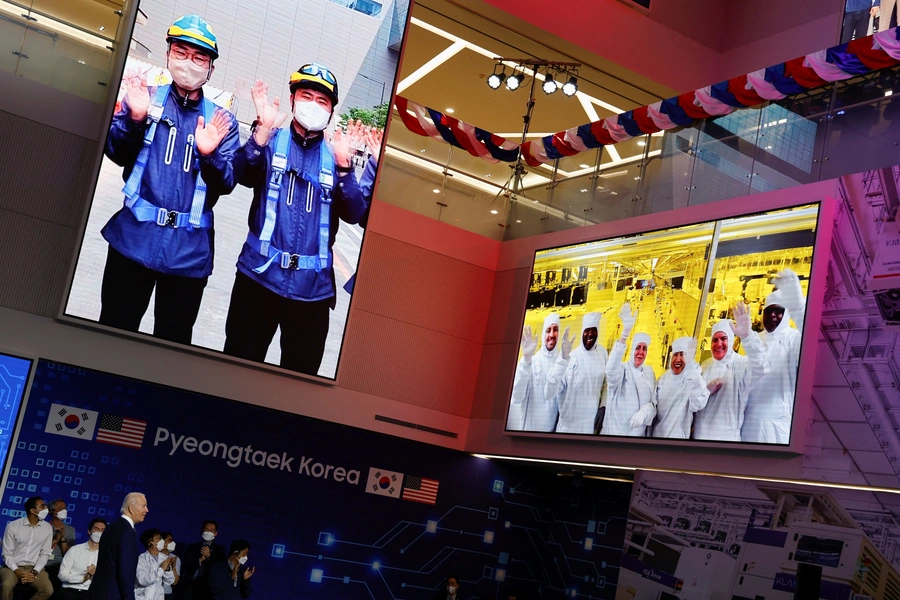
column 167, row 587
column 148, row 584
column 676, row 400
column 74, row 565
column 530, row 409
column 27, row 545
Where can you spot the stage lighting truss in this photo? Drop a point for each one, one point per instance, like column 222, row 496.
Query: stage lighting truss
column 555, row 75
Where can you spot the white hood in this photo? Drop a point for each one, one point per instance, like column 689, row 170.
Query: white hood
column 591, row 320
column 774, row 299
column 551, row 319
column 725, row 327
column 639, row 338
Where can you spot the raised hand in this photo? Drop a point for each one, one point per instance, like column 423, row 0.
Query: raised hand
column 529, row 344
column 565, row 344
column 137, row 96
column 208, row 136
column 788, row 284
column 741, row 324
column 266, row 113
column 340, row 143
column 372, row 140
column 628, row 319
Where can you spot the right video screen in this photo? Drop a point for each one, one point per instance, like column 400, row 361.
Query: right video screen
column 688, row 333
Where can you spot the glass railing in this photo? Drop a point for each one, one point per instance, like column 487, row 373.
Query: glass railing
column 65, row 44
column 847, row 127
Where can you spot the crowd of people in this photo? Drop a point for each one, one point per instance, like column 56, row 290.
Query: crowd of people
column 181, row 154
column 736, row 397
column 115, row 563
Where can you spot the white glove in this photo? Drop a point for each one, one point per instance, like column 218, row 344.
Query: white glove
column 565, row 344
column 637, row 420
column 529, row 344
column 788, row 284
column 714, row 386
column 741, row 324
column 628, row 318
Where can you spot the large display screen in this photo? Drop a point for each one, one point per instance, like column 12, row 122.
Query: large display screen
column 14, row 372
column 692, row 332
column 238, row 171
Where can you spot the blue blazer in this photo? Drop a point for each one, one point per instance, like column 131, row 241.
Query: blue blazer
column 116, row 563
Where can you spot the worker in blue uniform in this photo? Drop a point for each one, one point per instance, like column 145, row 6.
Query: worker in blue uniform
column 302, row 187
column 177, row 149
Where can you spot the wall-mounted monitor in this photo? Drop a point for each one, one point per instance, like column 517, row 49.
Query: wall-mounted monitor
column 232, row 197
column 14, row 381
column 653, row 358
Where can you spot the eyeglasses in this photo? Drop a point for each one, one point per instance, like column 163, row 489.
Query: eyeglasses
column 319, row 71
column 201, row 60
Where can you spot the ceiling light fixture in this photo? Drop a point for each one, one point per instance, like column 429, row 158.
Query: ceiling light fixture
column 449, row 111
column 549, row 86
column 570, row 88
column 436, row 191
column 495, row 80
column 514, row 81
column 493, row 211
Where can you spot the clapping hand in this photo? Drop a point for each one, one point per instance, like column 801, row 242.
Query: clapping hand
column 529, row 344
column 204, row 553
column 137, row 96
column 208, row 136
column 340, row 143
column 741, row 324
column 373, row 139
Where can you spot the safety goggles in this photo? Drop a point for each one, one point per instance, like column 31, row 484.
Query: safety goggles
column 318, row 71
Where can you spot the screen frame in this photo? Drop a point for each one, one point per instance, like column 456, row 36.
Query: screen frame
column 26, row 396
column 129, row 21
column 715, row 211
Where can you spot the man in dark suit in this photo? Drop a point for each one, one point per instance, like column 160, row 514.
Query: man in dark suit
column 118, row 555
column 199, row 558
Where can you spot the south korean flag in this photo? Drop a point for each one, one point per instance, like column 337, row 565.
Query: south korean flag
column 71, row 422
column 384, row 483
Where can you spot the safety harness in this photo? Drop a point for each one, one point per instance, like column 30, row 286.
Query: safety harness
column 263, row 243
column 145, row 211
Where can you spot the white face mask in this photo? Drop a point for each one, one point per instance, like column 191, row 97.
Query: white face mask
column 243, row 560
column 311, row 115
column 43, row 514
column 208, row 536
column 62, row 514
column 95, row 536
column 160, row 545
column 170, row 546
column 188, row 75
column 451, row 589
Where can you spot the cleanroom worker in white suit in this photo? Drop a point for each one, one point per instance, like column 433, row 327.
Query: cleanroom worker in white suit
column 770, row 405
column 576, row 379
column 629, row 384
column 680, row 392
column 729, row 378
column 530, row 409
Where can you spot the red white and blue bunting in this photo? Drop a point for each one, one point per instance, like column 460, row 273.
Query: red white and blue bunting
column 837, row 63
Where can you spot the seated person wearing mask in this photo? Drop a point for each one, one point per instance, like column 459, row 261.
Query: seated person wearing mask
column 450, row 590
column 78, row 565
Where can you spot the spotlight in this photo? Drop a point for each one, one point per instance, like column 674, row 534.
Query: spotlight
column 514, row 81
column 549, row 85
column 495, row 80
column 570, row 87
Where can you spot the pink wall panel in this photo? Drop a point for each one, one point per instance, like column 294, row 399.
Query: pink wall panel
column 423, row 288
column 410, row 364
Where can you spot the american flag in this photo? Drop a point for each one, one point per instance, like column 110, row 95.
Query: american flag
column 121, row 431
column 420, row 489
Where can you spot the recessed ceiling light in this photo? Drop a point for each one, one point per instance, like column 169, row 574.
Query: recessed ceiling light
column 583, row 190
column 614, row 193
column 518, row 220
column 81, row 61
column 584, row 166
column 436, row 191
column 449, row 110
column 642, row 143
column 493, row 211
column 101, row 28
column 889, row 93
column 488, row 175
column 637, row 178
column 422, row 151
